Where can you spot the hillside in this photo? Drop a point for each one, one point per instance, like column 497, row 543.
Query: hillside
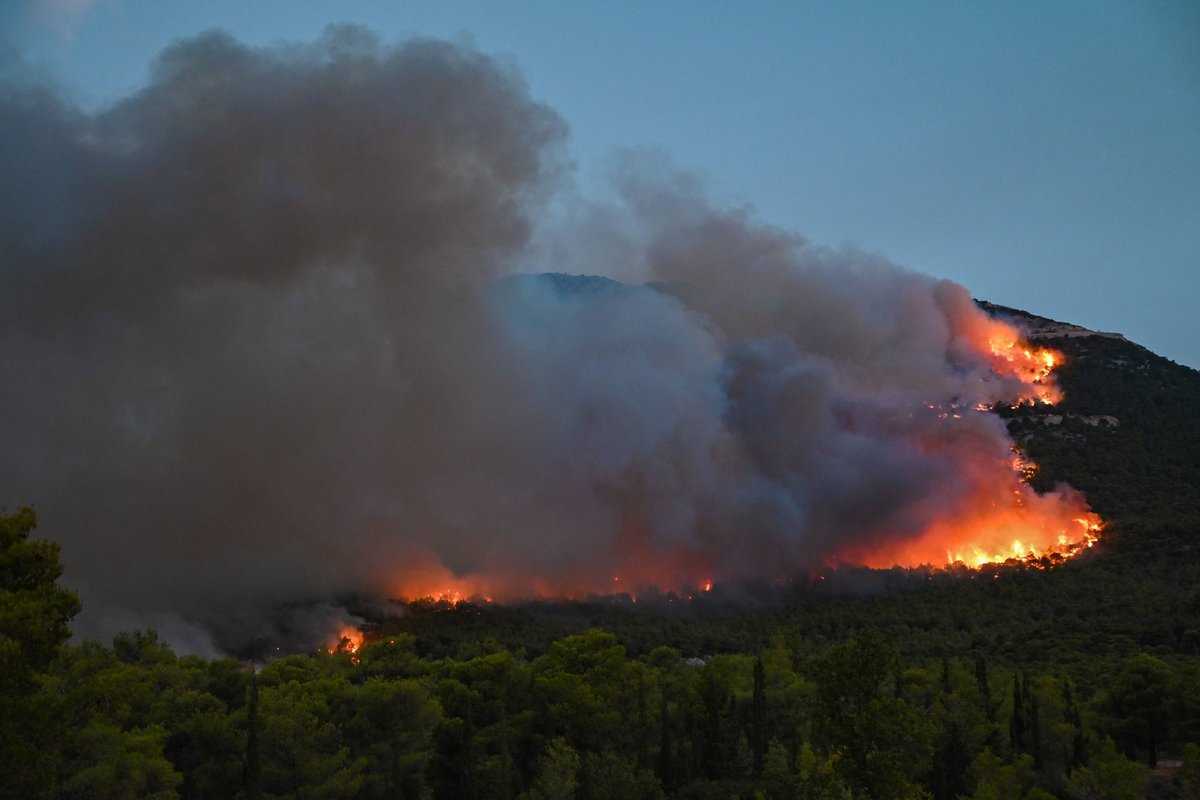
column 1127, row 434
column 1030, row 680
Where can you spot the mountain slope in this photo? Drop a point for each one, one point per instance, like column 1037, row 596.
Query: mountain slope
column 1127, row 432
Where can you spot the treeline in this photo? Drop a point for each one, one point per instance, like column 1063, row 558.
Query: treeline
column 786, row 715
column 1137, row 591
column 586, row 720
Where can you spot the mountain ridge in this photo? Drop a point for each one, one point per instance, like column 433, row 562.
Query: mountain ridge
column 1127, row 431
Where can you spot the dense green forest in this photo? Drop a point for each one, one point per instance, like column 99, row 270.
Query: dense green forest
column 1031, row 680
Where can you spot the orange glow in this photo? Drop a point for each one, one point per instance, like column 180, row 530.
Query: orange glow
column 348, row 641
column 1010, row 356
column 988, row 513
column 1002, row 518
column 1031, row 527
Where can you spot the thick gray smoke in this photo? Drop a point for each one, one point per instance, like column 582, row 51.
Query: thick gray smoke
column 260, row 345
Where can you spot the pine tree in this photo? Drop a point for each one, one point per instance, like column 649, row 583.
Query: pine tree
column 985, row 690
column 1035, row 732
column 758, row 720
column 1016, row 725
column 252, row 766
column 664, row 741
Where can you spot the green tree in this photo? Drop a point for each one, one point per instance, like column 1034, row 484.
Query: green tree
column 608, row 776
column 817, row 778
column 585, row 688
column 1189, row 773
column 758, row 719
column 558, row 773
column 491, row 695
column 106, row 763
column 1109, row 776
column 393, row 727
column 1139, row 703
column 1016, row 725
column 303, row 753
column 989, row 778
column 719, row 731
column 252, row 759
column 206, row 747
column 666, row 663
column 34, row 616
column 878, row 744
column 984, row 687
column 142, row 647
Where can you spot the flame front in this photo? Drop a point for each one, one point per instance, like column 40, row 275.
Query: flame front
column 981, row 511
column 986, row 531
column 1002, row 518
column 1011, row 356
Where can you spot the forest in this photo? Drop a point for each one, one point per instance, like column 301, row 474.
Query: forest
column 1033, row 679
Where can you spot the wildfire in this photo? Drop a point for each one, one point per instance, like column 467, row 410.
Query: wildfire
column 990, row 530
column 987, row 513
column 349, row 640
column 1064, row 546
column 1002, row 518
column 1011, row 356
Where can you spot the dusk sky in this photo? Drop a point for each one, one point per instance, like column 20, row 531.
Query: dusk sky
column 1044, row 155
column 257, row 284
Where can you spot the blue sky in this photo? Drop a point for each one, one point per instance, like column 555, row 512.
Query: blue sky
column 1045, row 155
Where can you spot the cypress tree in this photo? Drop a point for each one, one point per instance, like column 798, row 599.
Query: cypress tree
column 758, row 719
column 985, row 690
column 1016, row 725
column 1035, row 731
column 252, row 766
column 1077, row 755
column 664, row 741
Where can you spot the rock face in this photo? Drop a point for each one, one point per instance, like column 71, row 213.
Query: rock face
column 1127, row 432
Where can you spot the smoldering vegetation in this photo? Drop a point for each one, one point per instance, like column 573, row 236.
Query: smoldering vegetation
column 268, row 339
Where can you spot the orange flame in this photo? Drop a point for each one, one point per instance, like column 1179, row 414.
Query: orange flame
column 349, row 640
column 997, row 518
column 1010, row 356
column 1002, row 518
column 1030, row 528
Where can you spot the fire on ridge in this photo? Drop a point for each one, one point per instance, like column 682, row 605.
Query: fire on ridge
column 1004, row 520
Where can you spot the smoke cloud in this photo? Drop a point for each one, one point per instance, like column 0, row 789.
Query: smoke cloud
column 267, row 339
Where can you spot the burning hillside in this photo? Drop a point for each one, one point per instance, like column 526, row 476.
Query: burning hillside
column 274, row 345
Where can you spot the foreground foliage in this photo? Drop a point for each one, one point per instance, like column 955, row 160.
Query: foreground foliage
column 587, row 720
column 788, row 715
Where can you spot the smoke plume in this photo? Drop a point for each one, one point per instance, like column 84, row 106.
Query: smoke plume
column 267, row 337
